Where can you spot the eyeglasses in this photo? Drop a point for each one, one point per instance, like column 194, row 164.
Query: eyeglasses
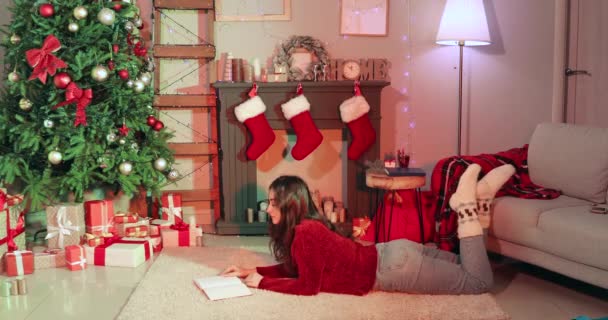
column 599, row 208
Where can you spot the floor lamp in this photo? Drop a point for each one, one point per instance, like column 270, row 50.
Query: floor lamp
column 463, row 23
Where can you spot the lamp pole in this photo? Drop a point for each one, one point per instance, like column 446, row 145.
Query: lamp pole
column 461, row 45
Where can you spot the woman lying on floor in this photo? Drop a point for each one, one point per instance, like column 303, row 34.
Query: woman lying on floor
column 314, row 259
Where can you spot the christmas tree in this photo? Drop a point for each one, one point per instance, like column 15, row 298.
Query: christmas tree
column 76, row 110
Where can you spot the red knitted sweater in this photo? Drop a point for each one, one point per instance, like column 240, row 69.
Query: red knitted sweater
column 325, row 262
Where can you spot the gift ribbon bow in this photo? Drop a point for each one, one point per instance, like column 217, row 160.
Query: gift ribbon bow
column 5, row 202
column 180, row 226
column 64, row 227
column 2, row 200
column 82, row 98
column 42, row 59
column 171, row 211
column 361, row 229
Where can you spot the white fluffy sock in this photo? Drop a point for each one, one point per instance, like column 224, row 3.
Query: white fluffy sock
column 487, row 188
column 464, row 202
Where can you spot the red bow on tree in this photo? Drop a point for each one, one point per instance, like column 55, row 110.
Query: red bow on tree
column 43, row 61
column 82, row 98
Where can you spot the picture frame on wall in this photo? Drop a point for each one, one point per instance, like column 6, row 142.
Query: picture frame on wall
column 238, row 10
column 364, row 18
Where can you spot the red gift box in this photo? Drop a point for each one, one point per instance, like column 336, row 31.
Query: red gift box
column 75, row 258
column 126, row 217
column 12, row 222
column 99, row 216
column 19, row 263
column 172, row 207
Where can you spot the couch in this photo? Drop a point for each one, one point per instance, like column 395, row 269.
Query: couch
column 560, row 234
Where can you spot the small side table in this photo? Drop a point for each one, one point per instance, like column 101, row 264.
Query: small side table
column 396, row 179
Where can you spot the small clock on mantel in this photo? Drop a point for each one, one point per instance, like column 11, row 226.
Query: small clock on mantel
column 351, row 69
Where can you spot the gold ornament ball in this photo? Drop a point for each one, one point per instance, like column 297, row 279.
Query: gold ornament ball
column 106, row 16
column 80, row 12
column 146, row 78
column 125, row 168
column 13, row 77
column 173, row 175
column 160, row 164
column 55, row 157
column 15, row 39
column 73, row 27
column 25, row 104
column 138, row 86
column 100, row 73
column 48, row 123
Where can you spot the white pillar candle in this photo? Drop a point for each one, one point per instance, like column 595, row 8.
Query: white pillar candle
column 257, row 69
column 249, row 215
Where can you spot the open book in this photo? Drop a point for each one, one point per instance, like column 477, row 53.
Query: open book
column 218, row 287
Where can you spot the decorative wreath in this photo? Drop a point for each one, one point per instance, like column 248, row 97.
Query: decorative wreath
column 285, row 50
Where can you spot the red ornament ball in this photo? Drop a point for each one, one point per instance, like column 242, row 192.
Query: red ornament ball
column 61, row 80
column 151, row 121
column 46, row 10
column 111, row 65
column 115, row 48
column 158, row 125
column 117, row 7
column 123, row 74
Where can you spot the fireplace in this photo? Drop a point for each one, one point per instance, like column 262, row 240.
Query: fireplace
column 239, row 187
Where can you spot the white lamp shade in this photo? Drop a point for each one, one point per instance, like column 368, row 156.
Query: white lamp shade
column 463, row 21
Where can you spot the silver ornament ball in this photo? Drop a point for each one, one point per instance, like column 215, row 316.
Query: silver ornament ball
column 111, row 137
column 129, row 26
column 55, row 157
column 134, row 146
column 15, row 39
column 106, row 16
column 160, row 164
column 146, row 78
column 130, row 84
column 80, row 12
column 13, row 77
column 173, row 175
column 126, row 168
column 122, row 141
column 138, row 22
column 48, row 123
column 100, row 73
column 138, row 86
column 25, row 104
column 73, row 27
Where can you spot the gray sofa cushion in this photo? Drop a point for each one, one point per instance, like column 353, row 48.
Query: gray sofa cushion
column 575, row 234
column 516, row 220
column 573, row 159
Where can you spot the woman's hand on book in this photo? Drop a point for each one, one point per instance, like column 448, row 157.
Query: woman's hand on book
column 253, row 280
column 235, row 271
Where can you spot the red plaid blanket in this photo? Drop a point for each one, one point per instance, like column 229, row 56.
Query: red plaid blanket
column 444, row 181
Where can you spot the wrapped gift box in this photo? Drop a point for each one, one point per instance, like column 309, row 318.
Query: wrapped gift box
column 50, row 258
column 75, row 258
column 123, row 228
column 126, row 217
column 19, row 263
column 99, row 216
column 136, row 232
column 12, row 222
column 65, row 225
column 180, row 235
column 119, row 252
column 172, row 207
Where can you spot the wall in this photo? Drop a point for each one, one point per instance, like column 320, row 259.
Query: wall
column 507, row 85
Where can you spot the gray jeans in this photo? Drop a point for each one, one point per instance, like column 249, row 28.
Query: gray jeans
column 408, row 266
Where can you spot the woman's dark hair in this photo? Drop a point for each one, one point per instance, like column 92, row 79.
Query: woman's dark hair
column 292, row 197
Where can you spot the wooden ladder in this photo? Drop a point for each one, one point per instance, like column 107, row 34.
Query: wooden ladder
column 190, row 101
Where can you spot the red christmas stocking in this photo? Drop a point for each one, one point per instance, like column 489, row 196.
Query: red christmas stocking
column 251, row 113
column 297, row 111
column 354, row 112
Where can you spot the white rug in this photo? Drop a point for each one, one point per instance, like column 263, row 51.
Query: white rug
column 167, row 292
